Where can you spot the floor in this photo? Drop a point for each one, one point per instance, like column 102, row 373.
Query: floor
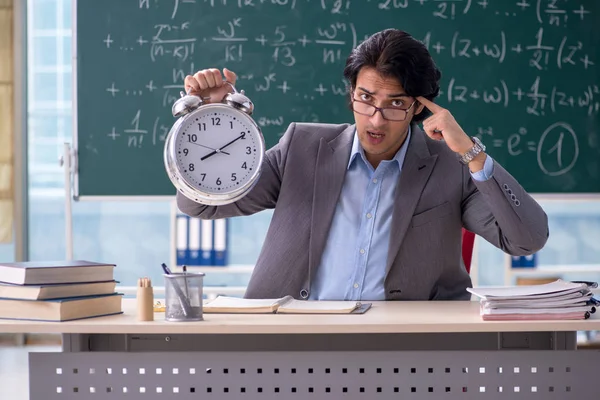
column 14, row 379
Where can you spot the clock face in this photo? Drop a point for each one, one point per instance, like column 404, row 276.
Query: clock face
column 218, row 149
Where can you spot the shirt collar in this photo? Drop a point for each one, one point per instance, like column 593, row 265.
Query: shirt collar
column 399, row 157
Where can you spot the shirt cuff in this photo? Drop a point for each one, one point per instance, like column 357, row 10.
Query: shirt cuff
column 487, row 171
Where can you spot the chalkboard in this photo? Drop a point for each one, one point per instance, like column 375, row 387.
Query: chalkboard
column 523, row 75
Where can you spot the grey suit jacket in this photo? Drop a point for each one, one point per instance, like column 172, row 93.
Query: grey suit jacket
column 302, row 178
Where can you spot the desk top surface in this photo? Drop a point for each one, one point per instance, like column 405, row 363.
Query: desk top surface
column 383, row 317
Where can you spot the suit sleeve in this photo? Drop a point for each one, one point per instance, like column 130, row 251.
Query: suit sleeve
column 503, row 213
column 263, row 195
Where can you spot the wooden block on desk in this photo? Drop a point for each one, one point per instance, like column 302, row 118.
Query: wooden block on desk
column 523, row 281
column 6, row 44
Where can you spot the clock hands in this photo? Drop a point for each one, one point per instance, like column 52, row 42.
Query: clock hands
column 201, row 145
column 220, row 150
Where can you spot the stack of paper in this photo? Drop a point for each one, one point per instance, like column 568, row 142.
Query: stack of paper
column 559, row 300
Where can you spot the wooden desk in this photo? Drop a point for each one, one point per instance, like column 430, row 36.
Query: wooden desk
column 414, row 350
column 383, row 317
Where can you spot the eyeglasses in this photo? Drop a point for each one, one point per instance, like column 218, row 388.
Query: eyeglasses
column 389, row 113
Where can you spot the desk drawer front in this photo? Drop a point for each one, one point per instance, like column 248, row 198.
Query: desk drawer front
column 314, row 375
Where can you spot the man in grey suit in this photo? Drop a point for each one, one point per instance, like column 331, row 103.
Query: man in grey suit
column 374, row 210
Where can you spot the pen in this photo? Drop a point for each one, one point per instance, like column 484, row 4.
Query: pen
column 187, row 294
column 165, row 268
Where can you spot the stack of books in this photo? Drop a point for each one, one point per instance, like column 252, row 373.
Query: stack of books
column 57, row 290
column 558, row 300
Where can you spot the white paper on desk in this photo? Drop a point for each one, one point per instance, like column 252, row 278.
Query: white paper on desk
column 558, row 287
column 569, row 298
column 558, row 310
column 535, row 306
column 536, row 317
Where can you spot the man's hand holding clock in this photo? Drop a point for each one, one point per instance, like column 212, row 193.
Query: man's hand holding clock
column 208, row 84
column 219, row 124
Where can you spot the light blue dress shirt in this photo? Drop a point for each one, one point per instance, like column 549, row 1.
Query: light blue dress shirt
column 353, row 263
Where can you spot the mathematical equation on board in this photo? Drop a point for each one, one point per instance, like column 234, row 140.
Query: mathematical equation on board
column 548, row 48
column 556, row 150
column 335, row 40
column 537, row 102
column 549, row 12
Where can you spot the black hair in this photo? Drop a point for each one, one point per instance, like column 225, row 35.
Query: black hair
column 396, row 54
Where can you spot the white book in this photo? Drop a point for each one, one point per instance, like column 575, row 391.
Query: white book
column 287, row 304
column 227, row 304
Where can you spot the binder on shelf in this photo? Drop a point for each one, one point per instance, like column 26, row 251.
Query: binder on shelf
column 529, row 261
column 515, row 261
column 219, row 253
column 181, row 239
column 206, row 242
column 194, row 242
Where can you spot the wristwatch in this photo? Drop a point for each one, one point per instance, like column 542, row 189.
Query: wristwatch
column 477, row 148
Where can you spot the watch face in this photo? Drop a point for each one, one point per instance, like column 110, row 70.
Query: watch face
column 218, row 149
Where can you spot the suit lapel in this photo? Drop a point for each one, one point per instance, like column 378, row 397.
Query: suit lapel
column 330, row 171
column 418, row 166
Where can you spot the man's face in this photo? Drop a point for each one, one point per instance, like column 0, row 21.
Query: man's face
column 380, row 137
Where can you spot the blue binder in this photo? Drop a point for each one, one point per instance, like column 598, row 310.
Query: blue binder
column 181, row 239
column 524, row 261
column 206, row 242
column 219, row 254
column 194, row 242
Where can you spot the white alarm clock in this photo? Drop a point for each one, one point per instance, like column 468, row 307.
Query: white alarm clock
column 214, row 152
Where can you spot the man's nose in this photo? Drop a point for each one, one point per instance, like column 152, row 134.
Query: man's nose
column 377, row 119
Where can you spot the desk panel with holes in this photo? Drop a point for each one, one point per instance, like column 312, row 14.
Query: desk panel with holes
column 314, row 375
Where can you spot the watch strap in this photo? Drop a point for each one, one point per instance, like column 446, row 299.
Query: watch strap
column 477, row 148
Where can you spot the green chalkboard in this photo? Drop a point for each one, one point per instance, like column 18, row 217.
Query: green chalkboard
column 523, row 75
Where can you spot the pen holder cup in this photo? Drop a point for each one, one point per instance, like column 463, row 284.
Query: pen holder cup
column 183, row 296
